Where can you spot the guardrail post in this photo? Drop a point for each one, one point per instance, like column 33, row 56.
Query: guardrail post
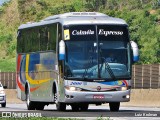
column 8, row 81
column 134, row 75
column 150, row 76
column 142, row 75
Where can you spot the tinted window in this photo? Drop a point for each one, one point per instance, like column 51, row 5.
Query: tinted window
column 112, row 33
column 52, row 37
column 41, row 38
column 85, row 32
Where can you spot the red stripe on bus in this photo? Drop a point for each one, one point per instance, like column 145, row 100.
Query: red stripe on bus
column 23, row 89
column 33, row 89
column 18, row 62
column 20, row 85
column 125, row 83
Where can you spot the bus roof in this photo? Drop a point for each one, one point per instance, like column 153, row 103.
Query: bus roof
column 75, row 18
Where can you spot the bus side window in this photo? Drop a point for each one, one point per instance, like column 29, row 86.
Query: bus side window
column 52, row 37
column 43, row 38
column 19, row 41
column 35, row 40
column 29, row 41
column 25, row 38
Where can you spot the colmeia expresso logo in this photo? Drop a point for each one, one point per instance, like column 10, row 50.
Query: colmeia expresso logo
column 100, row 32
column 82, row 32
column 106, row 33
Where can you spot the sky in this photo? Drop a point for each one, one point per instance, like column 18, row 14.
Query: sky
column 2, row 1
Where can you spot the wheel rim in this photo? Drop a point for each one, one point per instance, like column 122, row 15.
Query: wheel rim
column 55, row 98
column 28, row 101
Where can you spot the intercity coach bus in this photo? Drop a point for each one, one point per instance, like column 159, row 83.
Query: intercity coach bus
column 75, row 59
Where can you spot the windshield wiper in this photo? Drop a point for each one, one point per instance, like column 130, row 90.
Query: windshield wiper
column 90, row 62
column 107, row 66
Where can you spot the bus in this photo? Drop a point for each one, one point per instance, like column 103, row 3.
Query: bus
column 76, row 59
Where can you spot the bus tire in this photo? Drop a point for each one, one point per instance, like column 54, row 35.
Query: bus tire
column 114, row 106
column 59, row 105
column 75, row 107
column 84, row 107
column 30, row 104
column 39, row 106
column 3, row 104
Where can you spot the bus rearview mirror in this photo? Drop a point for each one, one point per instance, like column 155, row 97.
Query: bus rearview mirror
column 135, row 51
column 61, row 50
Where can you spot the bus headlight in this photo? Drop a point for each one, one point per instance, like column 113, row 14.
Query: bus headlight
column 72, row 88
column 122, row 88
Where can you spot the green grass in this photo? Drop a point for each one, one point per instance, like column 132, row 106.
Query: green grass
column 8, row 65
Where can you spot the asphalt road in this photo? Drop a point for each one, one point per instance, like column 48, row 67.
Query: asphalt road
column 125, row 113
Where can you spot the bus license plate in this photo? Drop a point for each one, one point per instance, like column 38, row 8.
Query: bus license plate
column 98, row 96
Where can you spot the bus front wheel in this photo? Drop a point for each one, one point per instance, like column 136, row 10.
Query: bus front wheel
column 84, row 107
column 114, row 106
column 59, row 105
column 75, row 107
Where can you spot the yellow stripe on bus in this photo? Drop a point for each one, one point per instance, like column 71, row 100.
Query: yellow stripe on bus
column 30, row 80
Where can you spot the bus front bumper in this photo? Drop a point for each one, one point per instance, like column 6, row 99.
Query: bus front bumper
column 96, row 97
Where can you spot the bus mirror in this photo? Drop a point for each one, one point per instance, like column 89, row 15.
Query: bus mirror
column 61, row 50
column 135, row 51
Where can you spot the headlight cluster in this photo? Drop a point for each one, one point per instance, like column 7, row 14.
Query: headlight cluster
column 72, row 88
column 122, row 88
column 2, row 92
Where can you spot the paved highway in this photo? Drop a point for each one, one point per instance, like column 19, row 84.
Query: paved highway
column 125, row 113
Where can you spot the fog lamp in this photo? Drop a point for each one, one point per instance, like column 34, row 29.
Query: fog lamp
column 127, row 96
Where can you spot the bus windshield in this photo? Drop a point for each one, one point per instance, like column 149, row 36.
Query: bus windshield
column 97, row 52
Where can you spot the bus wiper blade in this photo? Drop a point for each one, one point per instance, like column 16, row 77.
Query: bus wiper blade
column 86, row 69
column 109, row 69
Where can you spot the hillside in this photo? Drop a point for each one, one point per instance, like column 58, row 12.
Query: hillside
column 142, row 16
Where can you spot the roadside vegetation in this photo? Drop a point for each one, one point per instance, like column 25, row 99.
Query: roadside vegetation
column 142, row 16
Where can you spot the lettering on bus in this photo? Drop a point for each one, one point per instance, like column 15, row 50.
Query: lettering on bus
column 82, row 32
column 76, row 83
column 101, row 32
column 106, row 33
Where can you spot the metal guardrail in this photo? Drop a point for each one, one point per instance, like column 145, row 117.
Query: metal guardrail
column 8, row 79
column 143, row 77
column 146, row 76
